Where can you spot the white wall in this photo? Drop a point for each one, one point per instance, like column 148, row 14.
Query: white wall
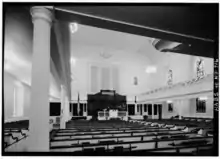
column 187, row 108
column 87, row 56
column 80, row 82
column 22, row 97
column 208, row 64
column 209, row 109
column 184, row 66
column 145, row 81
column 121, row 78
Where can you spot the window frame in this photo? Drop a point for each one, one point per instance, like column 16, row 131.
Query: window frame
column 200, row 106
column 170, row 105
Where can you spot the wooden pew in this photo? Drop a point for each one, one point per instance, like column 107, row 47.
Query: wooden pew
column 109, row 130
column 180, row 151
column 107, row 133
column 132, row 142
column 12, row 136
column 121, row 138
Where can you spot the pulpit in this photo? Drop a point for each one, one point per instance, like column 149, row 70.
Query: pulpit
column 112, row 114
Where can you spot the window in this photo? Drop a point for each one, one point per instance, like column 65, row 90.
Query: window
column 200, row 68
column 170, row 107
column 200, row 106
column 135, row 81
column 145, row 107
column 18, row 100
column 170, row 77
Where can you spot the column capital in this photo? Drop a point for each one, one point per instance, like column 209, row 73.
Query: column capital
column 41, row 12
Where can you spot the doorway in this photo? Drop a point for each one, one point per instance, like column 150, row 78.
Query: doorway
column 160, row 111
column 149, row 109
column 131, row 109
column 75, row 110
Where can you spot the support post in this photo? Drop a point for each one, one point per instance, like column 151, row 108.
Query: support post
column 38, row 139
column 152, row 111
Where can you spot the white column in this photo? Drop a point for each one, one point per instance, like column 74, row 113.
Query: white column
column 39, row 105
column 180, row 104
column 135, row 108
column 152, row 111
column 71, row 113
column 63, row 115
column 83, row 109
column 142, row 109
column 85, row 106
column 71, row 108
column 67, row 108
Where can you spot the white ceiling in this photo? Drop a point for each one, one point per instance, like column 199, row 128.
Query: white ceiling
column 89, row 42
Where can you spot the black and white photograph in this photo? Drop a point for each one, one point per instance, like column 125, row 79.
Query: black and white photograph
column 110, row 79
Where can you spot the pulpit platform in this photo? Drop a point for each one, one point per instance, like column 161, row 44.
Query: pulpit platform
column 79, row 118
column 113, row 114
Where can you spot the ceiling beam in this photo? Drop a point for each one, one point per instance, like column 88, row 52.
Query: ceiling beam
column 67, row 15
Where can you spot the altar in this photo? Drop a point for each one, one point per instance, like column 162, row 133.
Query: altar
column 112, row 114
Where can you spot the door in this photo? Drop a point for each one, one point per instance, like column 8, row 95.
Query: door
column 130, row 109
column 155, row 107
column 149, row 109
column 75, row 111
column 160, row 111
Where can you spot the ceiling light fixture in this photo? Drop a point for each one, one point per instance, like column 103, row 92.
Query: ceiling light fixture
column 169, row 101
column 7, row 66
column 151, row 69
column 203, row 98
column 73, row 27
column 73, row 61
column 18, row 83
column 105, row 55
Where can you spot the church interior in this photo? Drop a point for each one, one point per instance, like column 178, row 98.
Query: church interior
column 109, row 80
